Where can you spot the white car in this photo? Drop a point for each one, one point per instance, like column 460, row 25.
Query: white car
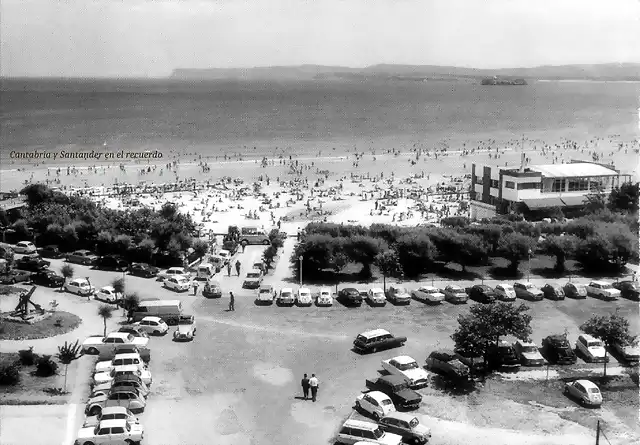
column 407, row 368
column 286, row 297
column 174, row 272
column 109, row 295
column 225, row 255
column 324, row 297
column 111, row 413
column 585, row 391
column 375, row 403
column 177, row 284
column 101, row 345
column 398, row 295
column 120, row 360
column 304, row 297
column 602, row 289
column 186, row 329
column 104, row 377
column 111, row 432
column 428, row 294
column 505, row 292
column 80, row 286
column 376, row 297
column 266, row 294
column 24, row 247
column 591, row 348
column 152, row 326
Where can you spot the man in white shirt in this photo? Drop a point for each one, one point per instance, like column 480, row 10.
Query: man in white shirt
column 313, row 384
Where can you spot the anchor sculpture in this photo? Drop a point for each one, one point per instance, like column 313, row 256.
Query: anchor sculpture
column 22, row 309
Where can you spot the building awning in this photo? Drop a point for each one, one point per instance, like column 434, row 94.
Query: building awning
column 573, row 170
column 556, row 201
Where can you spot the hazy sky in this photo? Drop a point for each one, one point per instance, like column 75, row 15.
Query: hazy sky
column 152, row 37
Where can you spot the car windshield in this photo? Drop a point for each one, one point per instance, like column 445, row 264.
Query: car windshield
column 265, row 291
column 606, row 286
column 286, row 294
column 595, row 344
column 386, row 402
column 407, row 366
column 430, row 291
column 253, row 275
column 530, row 349
column 401, row 290
column 413, row 422
column 529, row 286
column 378, row 433
column 594, row 390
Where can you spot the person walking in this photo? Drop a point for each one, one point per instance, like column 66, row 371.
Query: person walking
column 305, row 387
column 314, row 383
column 238, row 267
column 244, row 246
column 195, row 288
column 229, row 268
column 232, row 302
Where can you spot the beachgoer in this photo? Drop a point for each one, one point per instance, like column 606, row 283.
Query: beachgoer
column 232, row 302
column 238, row 267
column 195, row 288
column 314, row 384
column 305, row 387
column 229, row 268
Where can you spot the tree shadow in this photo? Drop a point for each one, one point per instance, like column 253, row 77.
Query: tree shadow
column 551, row 273
column 453, row 387
column 446, row 272
column 499, row 273
column 330, row 278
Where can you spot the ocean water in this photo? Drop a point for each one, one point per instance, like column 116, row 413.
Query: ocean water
column 216, row 117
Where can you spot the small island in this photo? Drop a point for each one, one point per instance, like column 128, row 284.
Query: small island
column 501, row 81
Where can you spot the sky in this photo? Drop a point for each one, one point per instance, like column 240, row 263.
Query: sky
column 150, row 38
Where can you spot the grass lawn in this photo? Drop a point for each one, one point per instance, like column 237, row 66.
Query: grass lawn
column 59, row 323
column 31, row 390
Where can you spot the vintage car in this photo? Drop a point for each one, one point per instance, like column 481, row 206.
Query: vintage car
column 111, row 432
column 375, row 403
column 303, row 298
column 111, row 262
column 575, row 290
column 528, row 353
column 266, row 294
column 130, row 381
column 286, row 297
column 592, row 349
column 111, row 413
column 80, row 286
column 528, row 291
column 96, row 345
column 253, row 280
column 50, row 251
column 603, row 290
column 428, row 294
column 375, row 297
column 377, row 340
column 173, row 272
column 503, row 357
column 32, row 264
column 143, row 270
column 133, row 330
column 361, row 432
column 47, row 278
column 587, row 392
column 407, row 426
column 445, row 362
column 455, row 294
column 186, row 329
column 407, row 368
column 120, row 360
column 629, row 351
column 558, row 350
column 152, row 326
column 397, row 389
column 398, row 295
column 350, row 296
column 177, row 284
column 109, row 295
column 15, row 276
column 505, row 292
column 628, row 289
column 82, row 257
column 481, row 293
column 212, row 289
column 119, row 397
column 124, row 348
column 104, row 377
column 24, row 247
column 325, row 298
column 553, row 291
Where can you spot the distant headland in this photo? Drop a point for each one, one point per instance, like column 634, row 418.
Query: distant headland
column 502, row 81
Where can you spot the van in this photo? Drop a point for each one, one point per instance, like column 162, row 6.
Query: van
column 205, row 271
column 168, row 310
column 253, row 235
column 354, row 431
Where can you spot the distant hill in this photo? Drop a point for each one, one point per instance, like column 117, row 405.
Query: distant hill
column 608, row 71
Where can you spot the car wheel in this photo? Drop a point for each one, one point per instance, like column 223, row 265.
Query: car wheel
column 374, row 349
column 583, row 402
column 156, row 332
column 92, row 351
column 95, row 411
column 358, row 407
column 88, row 443
column 266, row 242
column 376, row 417
column 565, row 392
column 13, row 281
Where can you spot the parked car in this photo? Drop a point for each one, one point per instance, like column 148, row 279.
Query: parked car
column 107, row 353
column 591, row 348
column 505, row 292
column 286, row 297
column 407, row 368
column 152, row 326
column 553, row 291
column 528, row 353
column 111, row 432
column 503, row 357
column 143, row 270
column 445, row 362
column 406, row 426
column 82, row 257
column 528, row 291
column 375, row 403
column 50, row 251
column 375, row 297
column 455, row 294
column 130, row 400
column 266, row 294
column 111, row 413
column 177, row 284
column 253, row 280
column 24, row 247
column 133, row 359
column 482, row 293
column 111, row 262
column 575, row 290
column 475, row 364
column 109, row 295
column 356, row 431
column 303, row 298
column 628, row 289
column 428, row 294
column 377, row 340
column 173, row 272
column 186, row 329
column 130, row 381
column 325, row 298
column 259, row 265
column 629, row 351
column 212, row 289
column 32, row 264
column 97, row 345
column 47, row 278
column 587, row 392
column 350, row 296
column 603, row 290
column 398, row 295
column 397, row 389
column 133, row 330
column 558, row 350
column 80, row 286
column 103, row 377
column 224, row 255
column 15, row 276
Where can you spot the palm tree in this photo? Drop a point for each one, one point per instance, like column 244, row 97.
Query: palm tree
column 130, row 303
column 67, row 272
column 66, row 354
column 106, row 312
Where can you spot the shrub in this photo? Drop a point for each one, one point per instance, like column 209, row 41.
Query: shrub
column 28, row 357
column 10, row 374
column 46, row 367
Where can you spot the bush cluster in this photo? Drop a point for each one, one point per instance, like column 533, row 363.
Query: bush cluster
column 28, row 357
column 45, row 366
column 276, row 239
column 10, row 374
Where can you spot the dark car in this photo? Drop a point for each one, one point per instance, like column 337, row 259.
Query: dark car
column 476, row 365
column 482, row 293
column 406, row 426
column 558, row 350
column 398, row 391
column 628, row 289
column 503, row 357
column 553, row 291
column 111, row 262
column 15, row 276
column 50, row 252
column 133, row 331
column 350, row 296
column 445, row 362
column 32, row 264
column 82, row 257
column 143, row 270
column 376, row 340
column 47, row 278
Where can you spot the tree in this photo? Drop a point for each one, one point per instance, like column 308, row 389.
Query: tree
column 416, row 252
column 67, row 271
column 389, row 264
column 118, row 286
column 36, row 194
column 130, row 303
column 66, row 354
column 200, row 247
column 595, row 201
column 515, row 248
column 562, row 247
column 269, row 255
column 610, row 329
column 106, row 312
column 594, row 253
column 624, row 198
column 468, row 250
column 363, row 249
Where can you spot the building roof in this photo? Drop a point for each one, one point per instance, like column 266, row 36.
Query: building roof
column 578, row 169
column 556, row 201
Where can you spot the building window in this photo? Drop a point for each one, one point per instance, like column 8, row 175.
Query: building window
column 479, row 180
column 528, row 185
column 510, row 184
column 495, row 183
column 578, row 185
column 558, row 185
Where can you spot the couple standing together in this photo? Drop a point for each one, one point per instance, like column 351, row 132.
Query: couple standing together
column 310, row 383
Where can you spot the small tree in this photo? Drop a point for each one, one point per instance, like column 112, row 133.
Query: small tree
column 269, row 255
column 118, row 285
column 200, row 248
column 106, row 312
column 67, row 272
column 515, row 248
column 66, row 354
column 389, row 264
column 130, row 303
column 610, row 329
column 562, row 247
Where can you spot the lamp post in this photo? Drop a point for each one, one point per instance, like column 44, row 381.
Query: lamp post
column 300, row 258
column 529, row 265
column 124, row 311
